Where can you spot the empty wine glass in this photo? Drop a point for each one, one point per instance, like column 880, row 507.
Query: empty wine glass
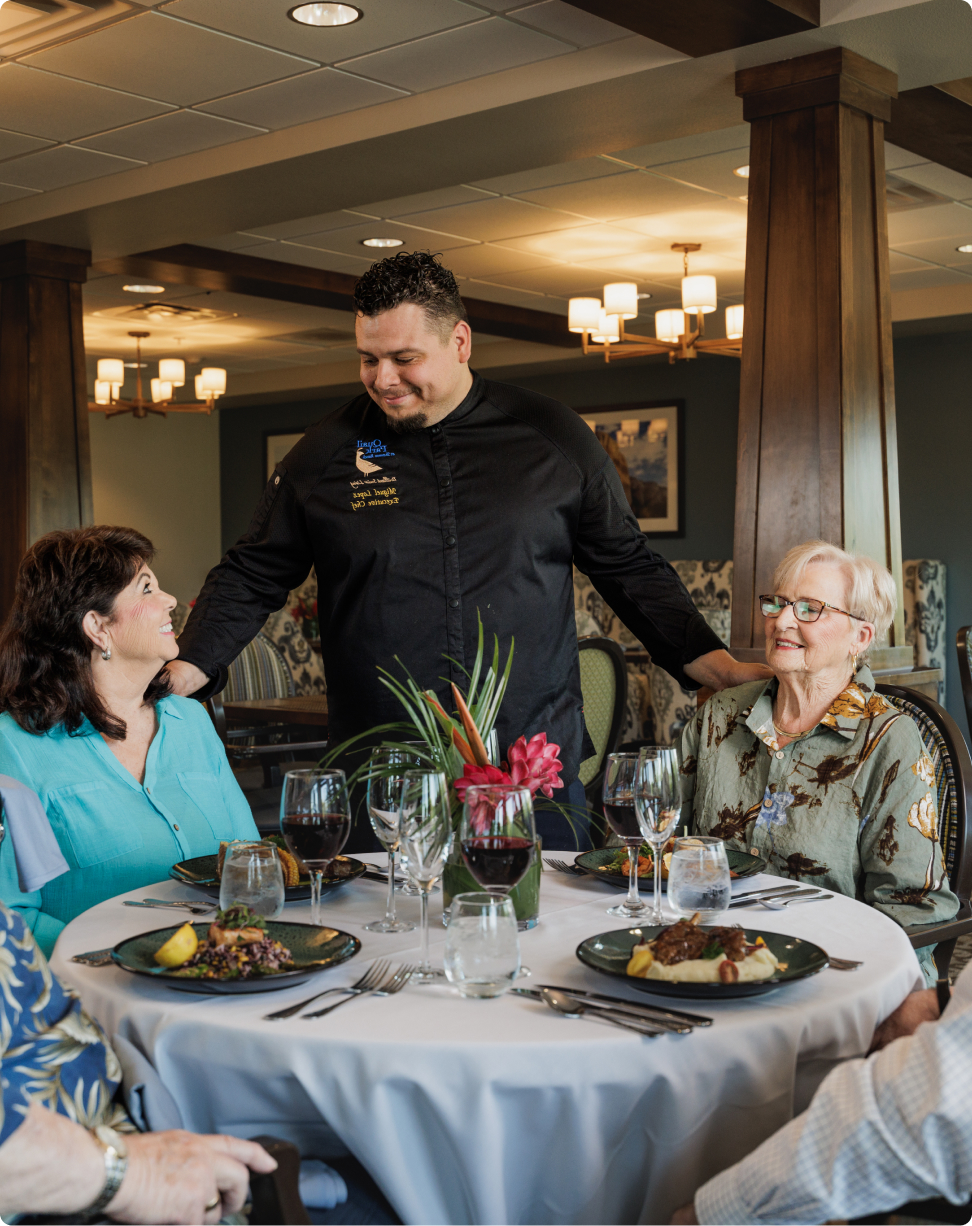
column 252, row 875
column 618, row 794
column 315, row 820
column 386, row 774
column 657, row 795
column 426, row 827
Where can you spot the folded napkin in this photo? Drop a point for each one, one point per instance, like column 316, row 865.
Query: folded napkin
column 38, row 856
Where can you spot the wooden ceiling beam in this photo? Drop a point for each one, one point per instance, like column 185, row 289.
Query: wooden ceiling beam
column 705, row 27
column 936, row 123
column 208, row 268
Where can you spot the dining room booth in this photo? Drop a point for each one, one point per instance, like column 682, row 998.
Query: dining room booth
column 408, row 415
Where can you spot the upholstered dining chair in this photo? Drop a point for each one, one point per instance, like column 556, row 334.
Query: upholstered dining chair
column 953, row 784
column 963, row 644
column 604, row 685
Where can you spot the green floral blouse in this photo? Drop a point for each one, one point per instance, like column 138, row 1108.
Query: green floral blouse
column 850, row 807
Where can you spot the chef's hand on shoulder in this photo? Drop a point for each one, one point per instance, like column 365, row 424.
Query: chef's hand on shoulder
column 717, row 670
column 685, row 1216
column 185, row 678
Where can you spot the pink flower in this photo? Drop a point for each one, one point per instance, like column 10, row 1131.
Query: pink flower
column 478, row 775
column 535, row 764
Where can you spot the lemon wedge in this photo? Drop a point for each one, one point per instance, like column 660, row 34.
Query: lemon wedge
column 179, row 948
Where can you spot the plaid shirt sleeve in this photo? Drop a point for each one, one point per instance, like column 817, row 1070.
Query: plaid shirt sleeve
column 879, row 1133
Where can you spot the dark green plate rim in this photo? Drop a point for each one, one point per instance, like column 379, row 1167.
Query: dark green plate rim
column 236, row 987
column 740, row 862
column 205, row 879
column 785, row 947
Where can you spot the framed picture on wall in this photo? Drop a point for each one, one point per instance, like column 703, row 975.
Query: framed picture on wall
column 646, row 442
column 277, row 446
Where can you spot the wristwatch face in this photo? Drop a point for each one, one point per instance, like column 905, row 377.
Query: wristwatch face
column 111, row 1139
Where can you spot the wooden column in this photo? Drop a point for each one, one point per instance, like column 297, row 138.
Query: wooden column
column 817, row 445
column 45, row 461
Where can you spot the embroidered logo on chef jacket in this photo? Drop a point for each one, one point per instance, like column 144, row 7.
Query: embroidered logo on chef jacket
column 371, row 484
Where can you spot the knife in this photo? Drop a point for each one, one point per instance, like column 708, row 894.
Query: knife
column 788, row 897
column 674, row 1015
column 776, row 889
column 633, row 1013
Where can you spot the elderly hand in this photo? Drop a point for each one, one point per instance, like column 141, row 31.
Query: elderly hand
column 173, row 1176
column 914, row 1009
column 717, row 670
column 685, row 1216
column 185, row 678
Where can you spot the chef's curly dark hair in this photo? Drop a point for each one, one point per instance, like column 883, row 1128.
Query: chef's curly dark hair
column 417, row 277
column 45, row 655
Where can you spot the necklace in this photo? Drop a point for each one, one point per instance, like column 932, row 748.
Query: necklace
column 791, row 736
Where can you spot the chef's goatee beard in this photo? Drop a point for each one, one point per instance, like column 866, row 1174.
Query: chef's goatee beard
column 410, row 424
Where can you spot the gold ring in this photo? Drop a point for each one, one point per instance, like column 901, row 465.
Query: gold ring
column 211, row 1205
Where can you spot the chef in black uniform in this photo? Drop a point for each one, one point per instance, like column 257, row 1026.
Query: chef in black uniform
column 434, row 495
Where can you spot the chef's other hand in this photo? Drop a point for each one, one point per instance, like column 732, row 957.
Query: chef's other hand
column 685, row 1216
column 185, row 678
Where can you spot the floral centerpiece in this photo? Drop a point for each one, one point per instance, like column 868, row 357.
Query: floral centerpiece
column 304, row 614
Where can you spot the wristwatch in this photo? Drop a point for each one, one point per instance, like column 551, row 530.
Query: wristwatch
column 116, row 1164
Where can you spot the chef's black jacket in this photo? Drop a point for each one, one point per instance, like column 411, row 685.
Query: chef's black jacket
column 411, row 534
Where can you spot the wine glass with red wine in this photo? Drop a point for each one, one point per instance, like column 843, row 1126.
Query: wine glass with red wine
column 497, row 835
column 618, row 795
column 315, row 820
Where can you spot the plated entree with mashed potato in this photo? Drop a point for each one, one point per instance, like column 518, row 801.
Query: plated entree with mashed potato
column 687, row 953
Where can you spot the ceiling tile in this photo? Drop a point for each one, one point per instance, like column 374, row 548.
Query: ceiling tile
column 720, row 219
column 938, row 179
column 666, row 265
column 13, row 144
column 906, row 263
column 551, row 176
column 458, row 55
column 234, row 242
column 940, row 251
column 311, row 225
column 583, row 244
column 563, row 280
column 8, row 192
column 311, row 257
column 687, row 146
column 164, row 58
column 618, row 196
column 422, row 201
column 63, row 165
column 503, row 293
column 929, row 278
column 43, row 104
column 349, row 239
column 315, row 95
column 896, row 158
column 571, row 24
column 486, row 260
column 936, row 221
column 714, row 171
column 169, row 136
column 385, row 22
column 496, row 218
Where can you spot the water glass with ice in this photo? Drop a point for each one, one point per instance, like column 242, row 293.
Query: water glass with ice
column 698, row 878
column 482, row 947
column 252, row 875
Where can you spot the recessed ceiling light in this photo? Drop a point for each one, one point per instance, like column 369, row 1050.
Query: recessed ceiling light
column 382, row 242
column 966, row 249
column 640, row 296
column 144, row 289
column 742, row 172
column 327, row 14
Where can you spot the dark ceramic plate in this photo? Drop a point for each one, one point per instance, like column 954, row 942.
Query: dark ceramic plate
column 740, row 862
column 200, row 871
column 610, row 952
column 314, row 949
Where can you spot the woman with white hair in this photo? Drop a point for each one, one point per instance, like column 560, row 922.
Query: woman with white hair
column 813, row 769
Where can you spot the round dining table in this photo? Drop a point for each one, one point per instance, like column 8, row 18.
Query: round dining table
column 500, row 1110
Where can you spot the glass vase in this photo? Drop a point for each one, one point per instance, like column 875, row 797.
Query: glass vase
column 525, row 895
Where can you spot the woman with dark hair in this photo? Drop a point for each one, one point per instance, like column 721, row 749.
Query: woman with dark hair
column 132, row 778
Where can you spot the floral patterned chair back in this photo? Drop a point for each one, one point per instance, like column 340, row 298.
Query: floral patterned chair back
column 287, row 633
column 924, row 610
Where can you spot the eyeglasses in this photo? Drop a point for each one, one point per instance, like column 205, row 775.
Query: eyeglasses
column 803, row 610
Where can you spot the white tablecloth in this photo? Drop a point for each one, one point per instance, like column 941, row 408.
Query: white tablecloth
column 495, row 1111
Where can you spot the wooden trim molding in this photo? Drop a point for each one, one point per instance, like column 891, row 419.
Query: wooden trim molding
column 936, row 123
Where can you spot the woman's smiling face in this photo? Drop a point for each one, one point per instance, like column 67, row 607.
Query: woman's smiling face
column 141, row 622
column 824, row 645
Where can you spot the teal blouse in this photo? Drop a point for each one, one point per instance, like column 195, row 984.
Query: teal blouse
column 118, row 834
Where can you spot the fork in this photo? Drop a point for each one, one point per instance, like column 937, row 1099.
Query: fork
column 371, row 978
column 781, row 903
column 388, row 988
column 561, row 866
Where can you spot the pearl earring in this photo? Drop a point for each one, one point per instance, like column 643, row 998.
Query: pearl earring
column 106, row 654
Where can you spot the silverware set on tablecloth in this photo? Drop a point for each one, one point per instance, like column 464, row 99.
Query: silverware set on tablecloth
column 378, row 980
column 647, row 1019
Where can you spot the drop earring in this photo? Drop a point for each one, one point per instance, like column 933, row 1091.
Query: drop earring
column 106, row 654
column 853, row 662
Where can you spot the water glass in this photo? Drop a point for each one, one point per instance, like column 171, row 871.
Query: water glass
column 386, row 774
column 426, row 828
column 698, row 878
column 315, row 820
column 482, row 946
column 617, row 795
column 657, row 797
column 252, row 875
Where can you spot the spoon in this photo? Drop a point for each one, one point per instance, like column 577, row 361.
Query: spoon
column 561, row 1003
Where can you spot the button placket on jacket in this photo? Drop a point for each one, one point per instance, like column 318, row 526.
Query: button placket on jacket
column 450, row 552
